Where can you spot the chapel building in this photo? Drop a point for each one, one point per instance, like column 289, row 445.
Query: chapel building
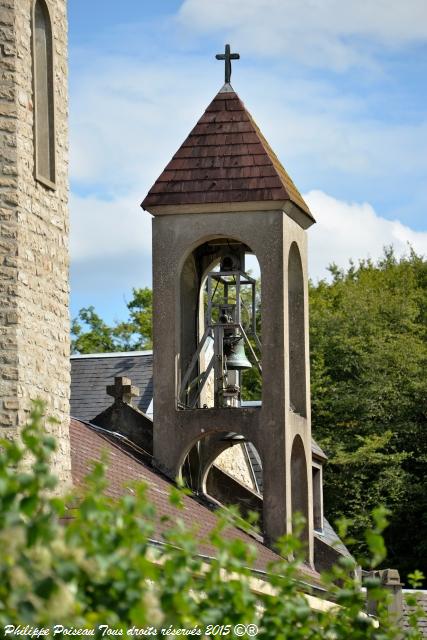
column 181, row 409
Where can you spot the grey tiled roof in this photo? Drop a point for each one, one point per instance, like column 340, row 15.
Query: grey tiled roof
column 330, row 537
column 90, row 376
column 317, row 451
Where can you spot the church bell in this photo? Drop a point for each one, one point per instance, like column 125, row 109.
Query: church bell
column 236, row 358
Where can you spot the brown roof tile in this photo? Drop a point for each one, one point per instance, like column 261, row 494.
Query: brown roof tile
column 224, row 127
column 211, row 164
column 88, row 444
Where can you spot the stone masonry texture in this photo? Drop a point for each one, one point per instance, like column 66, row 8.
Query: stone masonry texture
column 34, row 290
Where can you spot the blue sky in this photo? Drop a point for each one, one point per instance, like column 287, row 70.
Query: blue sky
column 338, row 89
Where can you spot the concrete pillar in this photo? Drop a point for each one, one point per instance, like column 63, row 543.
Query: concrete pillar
column 390, row 580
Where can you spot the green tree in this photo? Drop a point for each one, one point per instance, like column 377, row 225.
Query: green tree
column 137, row 332
column 90, row 334
column 368, row 330
column 98, row 336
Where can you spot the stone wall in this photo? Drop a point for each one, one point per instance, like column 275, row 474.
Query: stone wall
column 34, row 319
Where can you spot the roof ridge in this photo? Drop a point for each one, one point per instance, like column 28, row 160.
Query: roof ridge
column 111, row 354
column 278, row 166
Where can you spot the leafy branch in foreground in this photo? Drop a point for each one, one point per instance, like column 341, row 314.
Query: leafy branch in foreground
column 102, row 567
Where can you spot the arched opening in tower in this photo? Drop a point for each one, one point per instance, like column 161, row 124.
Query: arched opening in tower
column 297, row 355
column 226, row 468
column 220, row 347
column 299, row 486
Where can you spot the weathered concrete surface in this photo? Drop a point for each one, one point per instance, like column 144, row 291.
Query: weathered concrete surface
column 130, row 422
column 234, row 461
column 34, row 319
column 225, row 488
column 390, row 580
column 273, row 427
column 228, row 481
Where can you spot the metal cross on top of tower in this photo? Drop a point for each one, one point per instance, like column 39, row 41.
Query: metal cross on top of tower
column 227, row 57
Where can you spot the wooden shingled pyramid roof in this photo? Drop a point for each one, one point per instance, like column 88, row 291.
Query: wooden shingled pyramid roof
column 224, row 160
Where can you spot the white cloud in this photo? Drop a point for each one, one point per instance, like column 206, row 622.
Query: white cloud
column 111, row 240
column 128, row 119
column 353, row 230
column 328, row 33
column 108, row 229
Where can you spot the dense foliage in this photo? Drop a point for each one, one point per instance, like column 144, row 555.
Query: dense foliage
column 98, row 570
column 368, row 330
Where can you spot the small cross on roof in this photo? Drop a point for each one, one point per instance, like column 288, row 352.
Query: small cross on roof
column 123, row 390
column 227, row 57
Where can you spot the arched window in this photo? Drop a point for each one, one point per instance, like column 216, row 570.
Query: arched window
column 43, row 79
column 296, row 333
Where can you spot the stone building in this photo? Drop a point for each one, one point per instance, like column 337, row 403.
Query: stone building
column 34, row 289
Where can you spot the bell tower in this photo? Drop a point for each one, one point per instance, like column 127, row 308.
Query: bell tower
column 34, row 320
column 225, row 195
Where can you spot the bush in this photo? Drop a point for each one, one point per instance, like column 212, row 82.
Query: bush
column 86, row 564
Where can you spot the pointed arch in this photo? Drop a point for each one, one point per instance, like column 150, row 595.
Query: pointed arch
column 43, row 91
